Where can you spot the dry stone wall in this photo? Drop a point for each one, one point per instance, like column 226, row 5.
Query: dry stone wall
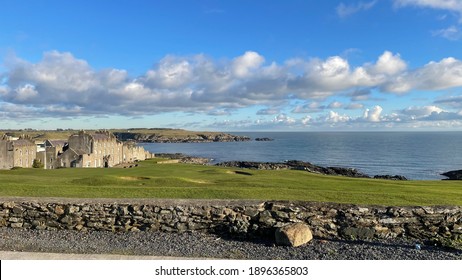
column 246, row 219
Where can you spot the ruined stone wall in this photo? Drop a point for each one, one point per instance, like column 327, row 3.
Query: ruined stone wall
column 82, row 142
column 6, row 154
column 239, row 218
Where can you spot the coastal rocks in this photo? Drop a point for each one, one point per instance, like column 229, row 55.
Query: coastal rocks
column 453, row 175
column 295, row 165
column 306, row 166
column 391, row 177
column 182, row 158
column 189, row 138
column 254, row 165
column 293, row 235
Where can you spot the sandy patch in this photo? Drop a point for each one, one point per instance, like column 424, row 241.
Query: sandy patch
column 133, row 178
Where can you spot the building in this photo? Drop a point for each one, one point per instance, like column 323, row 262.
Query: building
column 99, row 149
column 48, row 152
column 17, row 152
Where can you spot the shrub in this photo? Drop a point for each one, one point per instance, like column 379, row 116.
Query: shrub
column 37, row 164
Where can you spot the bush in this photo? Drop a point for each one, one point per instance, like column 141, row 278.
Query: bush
column 37, row 164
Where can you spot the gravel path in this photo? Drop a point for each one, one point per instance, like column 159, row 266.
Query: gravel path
column 197, row 245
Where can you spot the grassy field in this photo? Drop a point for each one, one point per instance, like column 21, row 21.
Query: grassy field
column 153, row 180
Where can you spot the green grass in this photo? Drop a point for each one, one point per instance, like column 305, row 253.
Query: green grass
column 152, row 180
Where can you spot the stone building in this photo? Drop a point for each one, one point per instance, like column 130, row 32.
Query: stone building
column 48, row 154
column 19, row 152
column 99, row 149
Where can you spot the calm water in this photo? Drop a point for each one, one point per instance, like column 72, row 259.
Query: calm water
column 416, row 155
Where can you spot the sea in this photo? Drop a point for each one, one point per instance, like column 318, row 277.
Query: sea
column 415, row 155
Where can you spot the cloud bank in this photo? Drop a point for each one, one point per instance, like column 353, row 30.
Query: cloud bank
column 61, row 85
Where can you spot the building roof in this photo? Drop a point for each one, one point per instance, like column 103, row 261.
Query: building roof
column 23, row 142
column 57, row 142
column 101, row 136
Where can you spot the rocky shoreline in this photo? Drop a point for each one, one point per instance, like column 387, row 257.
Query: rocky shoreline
column 287, row 165
column 296, row 165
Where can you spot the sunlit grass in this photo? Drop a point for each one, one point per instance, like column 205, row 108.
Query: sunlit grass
column 152, row 180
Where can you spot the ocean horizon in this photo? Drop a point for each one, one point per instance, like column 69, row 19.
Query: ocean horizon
column 415, row 155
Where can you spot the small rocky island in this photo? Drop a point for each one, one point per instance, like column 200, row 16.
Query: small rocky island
column 453, row 175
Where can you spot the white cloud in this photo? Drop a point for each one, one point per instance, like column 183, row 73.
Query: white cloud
column 373, row 115
column 283, row 119
column 345, row 10
column 448, row 5
column 170, row 73
column 335, row 105
column 334, row 117
column 311, row 107
column 323, row 78
column 418, row 112
column 444, row 74
column 389, row 64
column 452, row 33
column 306, row 120
column 451, row 101
column 25, row 92
column 243, row 65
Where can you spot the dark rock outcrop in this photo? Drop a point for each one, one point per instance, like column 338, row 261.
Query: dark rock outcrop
column 263, row 139
column 307, row 166
column 254, row 165
column 295, row 165
column 453, row 175
column 391, row 177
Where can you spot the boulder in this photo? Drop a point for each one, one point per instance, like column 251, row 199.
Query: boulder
column 293, row 235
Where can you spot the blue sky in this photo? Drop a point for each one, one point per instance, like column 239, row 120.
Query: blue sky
column 232, row 65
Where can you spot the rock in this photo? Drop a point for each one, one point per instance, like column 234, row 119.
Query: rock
column 8, row 204
column 295, row 165
column 264, row 139
column 453, row 175
column 182, row 158
column 293, row 235
column 358, row 233
column 59, row 210
column 390, row 177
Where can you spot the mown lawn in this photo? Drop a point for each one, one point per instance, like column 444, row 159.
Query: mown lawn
column 153, row 180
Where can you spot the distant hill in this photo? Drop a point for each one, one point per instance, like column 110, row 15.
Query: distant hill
column 151, row 135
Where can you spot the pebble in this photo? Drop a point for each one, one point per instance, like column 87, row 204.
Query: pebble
column 200, row 245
